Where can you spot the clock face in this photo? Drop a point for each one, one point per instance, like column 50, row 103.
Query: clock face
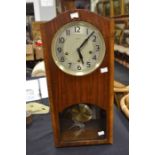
column 78, row 48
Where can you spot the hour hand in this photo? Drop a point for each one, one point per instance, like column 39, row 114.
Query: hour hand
column 80, row 55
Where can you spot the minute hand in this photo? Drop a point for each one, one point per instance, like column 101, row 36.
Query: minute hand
column 85, row 41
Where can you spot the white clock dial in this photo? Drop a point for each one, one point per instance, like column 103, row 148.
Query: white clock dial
column 78, row 48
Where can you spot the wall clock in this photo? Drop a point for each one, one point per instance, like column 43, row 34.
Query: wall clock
column 78, row 52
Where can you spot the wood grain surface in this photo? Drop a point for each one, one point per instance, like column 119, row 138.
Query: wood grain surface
column 66, row 90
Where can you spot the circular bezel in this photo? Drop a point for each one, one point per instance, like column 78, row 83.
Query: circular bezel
column 59, row 64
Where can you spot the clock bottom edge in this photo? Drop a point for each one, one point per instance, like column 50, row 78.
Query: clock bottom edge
column 84, row 143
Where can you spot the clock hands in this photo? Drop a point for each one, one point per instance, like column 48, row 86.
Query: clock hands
column 83, row 43
column 80, row 56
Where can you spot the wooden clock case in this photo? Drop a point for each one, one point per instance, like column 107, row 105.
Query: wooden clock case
column 95, row 89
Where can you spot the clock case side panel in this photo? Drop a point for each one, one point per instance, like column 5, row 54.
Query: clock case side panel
column 107, row 27
column 53, row 109
column 55, row 77
column 111, row 83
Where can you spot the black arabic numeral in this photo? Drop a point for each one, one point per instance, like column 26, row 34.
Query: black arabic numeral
column 77, row 29
column 94, row 38
column 87, row 31
column 61, row 40
column 59, row 49
column 62, row 59
column 94, row 57
column 97, row 47
column 88, row 64
column 68, row 32
column 79, row 67
column 70, row 64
